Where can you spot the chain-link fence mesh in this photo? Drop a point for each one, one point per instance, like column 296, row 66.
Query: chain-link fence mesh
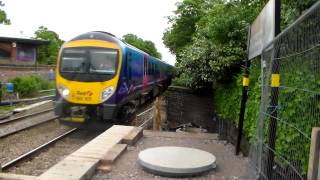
column 296, row 53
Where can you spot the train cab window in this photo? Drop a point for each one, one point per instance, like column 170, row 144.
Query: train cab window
column 73, row 60
column 103, row 61
column 89, row 60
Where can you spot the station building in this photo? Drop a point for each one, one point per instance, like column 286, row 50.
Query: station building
column 19, row 51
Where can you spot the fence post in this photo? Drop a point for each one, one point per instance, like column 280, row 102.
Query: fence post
column 0, row 92
column 314, row 157
column 245, row 88
column 275, row 83
column 157, row 116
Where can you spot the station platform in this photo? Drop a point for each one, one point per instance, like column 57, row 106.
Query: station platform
column 114, row 153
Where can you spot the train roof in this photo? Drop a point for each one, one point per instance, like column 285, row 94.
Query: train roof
column 106, row 36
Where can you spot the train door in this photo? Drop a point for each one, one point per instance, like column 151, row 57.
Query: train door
column 145, row 72
column 129, row 74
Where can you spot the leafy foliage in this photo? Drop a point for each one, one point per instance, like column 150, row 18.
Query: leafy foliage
column 3, row 16
column 188, row 13
column 144, row 45
column 29, row 85
column 227, row 98
column 216, row 37
column 208, row 37
column 48, row 54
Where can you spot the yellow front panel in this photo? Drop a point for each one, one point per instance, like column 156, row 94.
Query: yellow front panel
column 88, row 92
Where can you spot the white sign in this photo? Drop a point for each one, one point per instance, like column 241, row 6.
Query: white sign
column 262, row 30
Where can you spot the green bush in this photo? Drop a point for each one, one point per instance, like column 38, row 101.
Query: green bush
column 227, row 101
column 298, row 108
column 44, row 83
column 28, row 86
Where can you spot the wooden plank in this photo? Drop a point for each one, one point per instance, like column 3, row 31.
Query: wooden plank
column 133, row 136
column 32, row 106
column 148, row 133
column 113, row 154
column 82, row 163
column 8, row 176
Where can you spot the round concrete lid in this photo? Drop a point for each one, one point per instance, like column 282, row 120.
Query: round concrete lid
column 176, row 161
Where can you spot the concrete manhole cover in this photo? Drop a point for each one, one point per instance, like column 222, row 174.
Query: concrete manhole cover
column 176, row 161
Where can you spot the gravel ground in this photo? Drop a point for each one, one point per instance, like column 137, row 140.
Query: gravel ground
column 14, row 126
column 19, row 143
column 228, row 166
column 40, row 108
column 51, row 156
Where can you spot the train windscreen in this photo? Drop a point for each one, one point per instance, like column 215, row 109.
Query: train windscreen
column 89, row 60
column 103, row 61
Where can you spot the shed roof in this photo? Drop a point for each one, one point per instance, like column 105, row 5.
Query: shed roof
column 24, row 40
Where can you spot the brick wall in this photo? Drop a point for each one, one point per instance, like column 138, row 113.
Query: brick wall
column 8, row 72
column 185, row 106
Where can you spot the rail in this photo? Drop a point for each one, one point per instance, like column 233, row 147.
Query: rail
column 28, row 154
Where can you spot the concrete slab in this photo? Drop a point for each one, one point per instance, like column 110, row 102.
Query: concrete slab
column 176, row 161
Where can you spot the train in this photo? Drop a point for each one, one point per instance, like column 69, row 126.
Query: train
column 100, row 78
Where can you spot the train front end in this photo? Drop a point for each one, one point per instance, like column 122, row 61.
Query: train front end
column 87, row 75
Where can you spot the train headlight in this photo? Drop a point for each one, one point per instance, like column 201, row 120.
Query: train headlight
column 64, row 91
column 107, row 93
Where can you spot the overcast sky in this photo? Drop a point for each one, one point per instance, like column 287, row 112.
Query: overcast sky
column 69, row 18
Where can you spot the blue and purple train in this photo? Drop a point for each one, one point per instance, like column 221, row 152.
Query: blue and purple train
column 101, row 78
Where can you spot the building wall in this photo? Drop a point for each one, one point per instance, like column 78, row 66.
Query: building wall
column 25, row 54
column 5, row 53
column 17, row 53
column 7, row 73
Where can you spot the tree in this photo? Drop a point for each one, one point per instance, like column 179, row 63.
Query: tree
column 217, row 43
column 3, row 16
column 184, row 21
column 48, row 54
column 146, row 46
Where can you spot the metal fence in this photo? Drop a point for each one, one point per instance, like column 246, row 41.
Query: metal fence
column 280, row 147
column 145, row 118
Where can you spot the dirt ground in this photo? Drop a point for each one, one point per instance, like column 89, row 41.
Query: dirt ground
column 228, row 167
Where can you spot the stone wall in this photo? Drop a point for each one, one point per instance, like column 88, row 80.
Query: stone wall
column 186, row 106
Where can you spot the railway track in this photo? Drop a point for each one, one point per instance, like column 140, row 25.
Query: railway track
column 13, row 125
column 7, row 166
column 26, row 155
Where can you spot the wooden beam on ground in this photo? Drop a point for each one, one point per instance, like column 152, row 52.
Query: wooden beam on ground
column 82, row 163
column 133, row 136
column 113, row 154
column 8, row 176
column 185, row 135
